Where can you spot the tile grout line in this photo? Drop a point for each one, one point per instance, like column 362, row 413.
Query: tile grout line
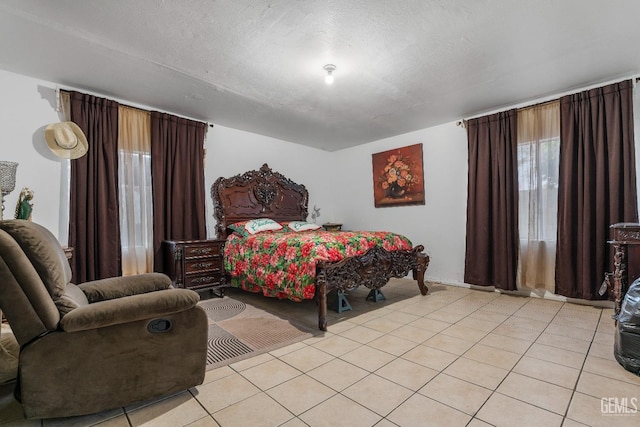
column 584, row 361
column 495, row 390
column 474, row 343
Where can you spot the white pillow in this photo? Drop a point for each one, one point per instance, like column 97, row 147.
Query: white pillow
column 303, row 226
column 261, row 224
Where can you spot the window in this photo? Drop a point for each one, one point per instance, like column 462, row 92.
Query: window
column 135, row 191
column 538, row 188
column 538, row 164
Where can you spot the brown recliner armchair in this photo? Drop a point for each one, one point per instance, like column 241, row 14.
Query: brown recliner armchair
column 98, row 345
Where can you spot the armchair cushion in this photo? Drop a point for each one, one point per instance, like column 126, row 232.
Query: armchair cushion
column 72, row 298
column 118, row 287
column 128, row 309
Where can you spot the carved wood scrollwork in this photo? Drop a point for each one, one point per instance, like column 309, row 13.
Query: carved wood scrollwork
column 373, row 269
column 265, row 192
column 619, row 274
column 257, row 193
column 628, row 235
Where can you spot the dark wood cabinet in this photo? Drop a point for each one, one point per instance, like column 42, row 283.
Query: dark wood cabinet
column 195, row 264
column 626, row 259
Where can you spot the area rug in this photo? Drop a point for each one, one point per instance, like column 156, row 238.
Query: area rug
column 238, row 330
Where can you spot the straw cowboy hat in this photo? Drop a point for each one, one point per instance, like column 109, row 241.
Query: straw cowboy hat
column 66, row 140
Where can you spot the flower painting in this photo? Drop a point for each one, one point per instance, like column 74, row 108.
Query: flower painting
column 398, row 177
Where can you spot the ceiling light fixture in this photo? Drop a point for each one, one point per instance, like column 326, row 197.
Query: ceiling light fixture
column 329, row 68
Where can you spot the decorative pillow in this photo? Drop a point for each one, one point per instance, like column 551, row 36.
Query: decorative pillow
column 303, row 226
column 261, row 224
column 238, row 228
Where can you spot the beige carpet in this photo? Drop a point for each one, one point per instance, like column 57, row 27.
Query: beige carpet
column 245, row 324
column 238, row 330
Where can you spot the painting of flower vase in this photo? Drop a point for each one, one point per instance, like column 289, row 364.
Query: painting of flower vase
column 398, row 177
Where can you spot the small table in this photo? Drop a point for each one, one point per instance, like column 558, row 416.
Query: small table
column 332, row 226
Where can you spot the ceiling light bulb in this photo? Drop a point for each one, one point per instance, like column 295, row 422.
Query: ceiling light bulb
column 329, row 68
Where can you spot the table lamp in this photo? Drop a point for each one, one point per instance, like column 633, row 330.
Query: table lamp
column 7, row 179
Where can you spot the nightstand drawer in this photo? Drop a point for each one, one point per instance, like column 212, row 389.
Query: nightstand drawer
column 200, row 265
column 206, row 280
column 201, row 250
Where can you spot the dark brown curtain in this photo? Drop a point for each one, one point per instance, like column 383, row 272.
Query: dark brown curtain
column 597, row 184
column 491, row 257
column 177, row 174
column 94, row 227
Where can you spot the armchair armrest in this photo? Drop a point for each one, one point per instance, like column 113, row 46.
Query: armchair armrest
column 129, row 309
column 118, row 287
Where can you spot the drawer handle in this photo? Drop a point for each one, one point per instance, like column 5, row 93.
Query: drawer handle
column 204, row 279
column 203, row 264
column 201, row 251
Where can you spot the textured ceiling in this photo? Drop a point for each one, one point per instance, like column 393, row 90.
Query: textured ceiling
column 256, row 65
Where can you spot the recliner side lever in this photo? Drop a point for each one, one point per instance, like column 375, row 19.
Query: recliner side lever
column 157, row 326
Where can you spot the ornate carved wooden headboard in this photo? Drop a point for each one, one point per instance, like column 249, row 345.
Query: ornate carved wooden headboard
column 254, row 194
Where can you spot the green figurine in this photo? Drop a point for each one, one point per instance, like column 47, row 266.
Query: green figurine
column 24, row 206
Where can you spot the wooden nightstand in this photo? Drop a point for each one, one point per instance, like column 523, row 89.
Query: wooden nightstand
column 332, row 226
column 68, row 252
column 195, row 264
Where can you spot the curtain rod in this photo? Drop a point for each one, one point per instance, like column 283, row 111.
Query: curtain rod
column 463, row 122
column 58, row 107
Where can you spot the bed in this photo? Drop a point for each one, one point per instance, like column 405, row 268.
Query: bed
column 341, row 260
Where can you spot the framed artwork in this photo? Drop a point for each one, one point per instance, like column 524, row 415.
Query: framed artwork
column 398, row 177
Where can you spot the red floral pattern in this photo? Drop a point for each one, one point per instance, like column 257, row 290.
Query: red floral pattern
column 283, row 264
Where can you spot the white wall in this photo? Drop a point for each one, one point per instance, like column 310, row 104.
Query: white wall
column 340, row 183
column 231, row 152
column 440, row 224
column 27, row 107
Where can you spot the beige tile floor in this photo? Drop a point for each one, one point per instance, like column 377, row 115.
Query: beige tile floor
column 457, row 357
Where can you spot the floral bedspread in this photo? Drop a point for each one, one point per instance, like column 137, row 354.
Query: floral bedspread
column 283, row 264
